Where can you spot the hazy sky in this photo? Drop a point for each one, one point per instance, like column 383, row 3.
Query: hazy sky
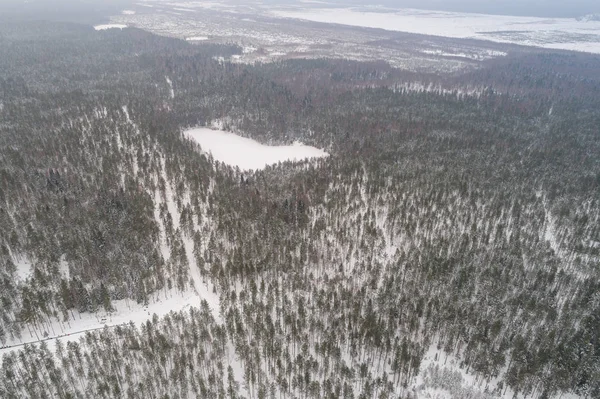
column 541, row 8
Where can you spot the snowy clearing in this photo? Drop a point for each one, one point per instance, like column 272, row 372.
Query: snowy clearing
column 24, row 267
column 110, row 26
column 248, row 154
column 196, row 38
column 555, row 33
column 125, row 311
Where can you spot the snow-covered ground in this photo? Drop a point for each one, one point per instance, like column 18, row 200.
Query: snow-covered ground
column 196, row 38
column 125, row 311
column 555, row 33
column 110, row 26
column 160, row 302
column 441, row 376
column 24, row 267
column 248, row 154
column 171, row 90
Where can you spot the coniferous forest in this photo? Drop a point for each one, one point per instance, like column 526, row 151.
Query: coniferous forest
column 464, row 225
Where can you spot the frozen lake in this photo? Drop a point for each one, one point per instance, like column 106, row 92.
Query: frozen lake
column 248, row 154
column 555, row 33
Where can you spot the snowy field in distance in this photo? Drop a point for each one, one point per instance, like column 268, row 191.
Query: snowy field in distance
column 110, row 26
column 248, row 154
column 555, row 33
column 196, row 38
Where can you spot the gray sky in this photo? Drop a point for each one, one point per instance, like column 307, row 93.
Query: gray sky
column 540, row 8
column 83, row 11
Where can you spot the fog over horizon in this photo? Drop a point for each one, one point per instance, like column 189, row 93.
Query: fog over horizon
column 537, row 8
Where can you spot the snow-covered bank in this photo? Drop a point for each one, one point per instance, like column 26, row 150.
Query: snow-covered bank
column 248, row 154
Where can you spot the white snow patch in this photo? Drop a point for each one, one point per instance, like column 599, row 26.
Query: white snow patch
column 248, row 154
column 128, row 12
column 63, row 268
column 24, row 267
column 110, row 26
column 171, row 90
column 473, row 56
column 196, row 38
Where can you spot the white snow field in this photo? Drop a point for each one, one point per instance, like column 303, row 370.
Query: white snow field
column 248, row 154
column 196, row 38
column 555, row 33
column 110, row 26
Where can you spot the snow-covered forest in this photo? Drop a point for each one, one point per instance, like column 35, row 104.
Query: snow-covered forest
column 449, row 244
